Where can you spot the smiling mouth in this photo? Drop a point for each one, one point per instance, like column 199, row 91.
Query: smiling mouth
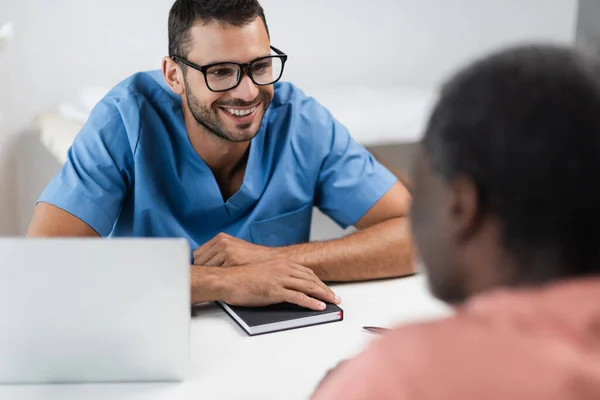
column 240, row 112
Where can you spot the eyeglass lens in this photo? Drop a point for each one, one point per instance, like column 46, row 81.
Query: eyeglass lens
column 264, row 71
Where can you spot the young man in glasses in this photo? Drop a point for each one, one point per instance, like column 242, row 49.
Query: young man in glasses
column 215, row 150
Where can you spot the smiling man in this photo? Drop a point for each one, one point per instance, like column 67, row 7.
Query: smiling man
column 214, row 149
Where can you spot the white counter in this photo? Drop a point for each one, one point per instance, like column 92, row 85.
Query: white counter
column 227, row 364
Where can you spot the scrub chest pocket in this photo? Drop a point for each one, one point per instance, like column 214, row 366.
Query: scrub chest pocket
column 283, row 230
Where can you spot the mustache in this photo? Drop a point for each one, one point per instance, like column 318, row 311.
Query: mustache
column 262, row 97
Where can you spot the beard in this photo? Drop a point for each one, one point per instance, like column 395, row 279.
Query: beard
column 207, row 117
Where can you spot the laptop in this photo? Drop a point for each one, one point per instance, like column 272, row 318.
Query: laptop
column 94, row 310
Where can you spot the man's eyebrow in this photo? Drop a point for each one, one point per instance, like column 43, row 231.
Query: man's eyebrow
column 237, row 62
column 266, row 55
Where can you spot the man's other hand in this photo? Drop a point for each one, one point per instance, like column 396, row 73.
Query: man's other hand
column 226, row 251
column 272, row 282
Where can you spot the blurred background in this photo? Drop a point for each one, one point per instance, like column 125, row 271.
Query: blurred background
column 376, row 64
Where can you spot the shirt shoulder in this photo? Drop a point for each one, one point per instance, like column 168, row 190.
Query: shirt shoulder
column 149, row 85
column 126, row 105
column 303, row 121
column 290, row 98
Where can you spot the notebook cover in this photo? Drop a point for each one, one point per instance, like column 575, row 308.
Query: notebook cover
column 256, row 316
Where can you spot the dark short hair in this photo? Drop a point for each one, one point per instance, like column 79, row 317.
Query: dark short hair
column 185, row 13
column 523, row 124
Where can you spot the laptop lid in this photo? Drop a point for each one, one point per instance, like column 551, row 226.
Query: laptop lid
column 94, row 310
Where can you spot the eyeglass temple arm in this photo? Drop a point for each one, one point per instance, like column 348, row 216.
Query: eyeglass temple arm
column 276, row 50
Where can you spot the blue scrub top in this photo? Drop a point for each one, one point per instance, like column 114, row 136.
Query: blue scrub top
column 132, row 171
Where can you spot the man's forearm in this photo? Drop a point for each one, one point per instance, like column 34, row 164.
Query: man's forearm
column 382, row 251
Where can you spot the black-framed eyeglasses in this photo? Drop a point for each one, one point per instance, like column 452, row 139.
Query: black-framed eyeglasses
column 224, row 76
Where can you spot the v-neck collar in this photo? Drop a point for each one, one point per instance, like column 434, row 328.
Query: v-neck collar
column 219, row 212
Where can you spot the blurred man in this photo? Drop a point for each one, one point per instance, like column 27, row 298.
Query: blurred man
column 214, row 149
column 506, row 217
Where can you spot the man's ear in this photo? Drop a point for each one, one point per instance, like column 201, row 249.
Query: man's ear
column 465, row 208
column 173, row 75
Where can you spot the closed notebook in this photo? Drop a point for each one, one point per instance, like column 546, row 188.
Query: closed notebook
column 280, row 317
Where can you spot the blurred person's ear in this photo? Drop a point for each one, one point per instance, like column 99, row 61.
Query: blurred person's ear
column 464, row 207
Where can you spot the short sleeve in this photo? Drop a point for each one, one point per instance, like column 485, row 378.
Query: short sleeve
column 350, row 181
column 94, row 181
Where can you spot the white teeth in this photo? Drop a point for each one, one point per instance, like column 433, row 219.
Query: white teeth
column 241, row 113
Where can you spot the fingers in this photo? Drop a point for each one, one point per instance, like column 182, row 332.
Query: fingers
column 302, row 300
column 217, row 260
column 205, row 252
column 308, row 275
column 312, row 288
column 275, row 282
column 310, row 281
column 208, row 254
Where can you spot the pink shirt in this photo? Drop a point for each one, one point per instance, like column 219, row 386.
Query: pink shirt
column 541, row 344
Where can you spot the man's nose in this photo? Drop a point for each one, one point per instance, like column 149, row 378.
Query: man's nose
column 246, row 90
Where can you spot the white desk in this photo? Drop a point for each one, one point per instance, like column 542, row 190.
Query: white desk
column 227, row 364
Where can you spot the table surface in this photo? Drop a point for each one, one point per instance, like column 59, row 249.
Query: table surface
column 228, row 364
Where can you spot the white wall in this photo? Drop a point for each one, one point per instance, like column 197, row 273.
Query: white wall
column 62, row 45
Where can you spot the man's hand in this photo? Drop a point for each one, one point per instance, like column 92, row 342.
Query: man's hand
column 226, row 251
column 273, row 282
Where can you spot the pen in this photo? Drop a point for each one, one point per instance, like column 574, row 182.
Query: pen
column 375, row 329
